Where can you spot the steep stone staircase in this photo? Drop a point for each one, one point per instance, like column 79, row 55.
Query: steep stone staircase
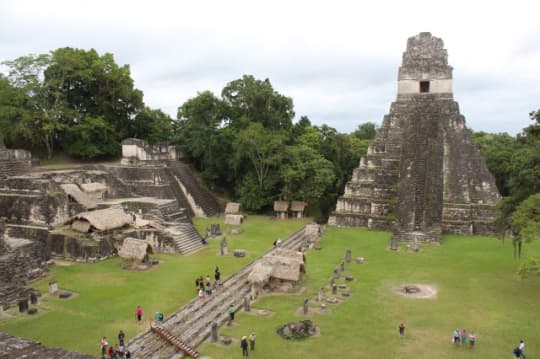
column 192, row 323
column 202, row 197
column 178, row 226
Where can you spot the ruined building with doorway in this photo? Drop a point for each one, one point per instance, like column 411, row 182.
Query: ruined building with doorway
column 422, row 175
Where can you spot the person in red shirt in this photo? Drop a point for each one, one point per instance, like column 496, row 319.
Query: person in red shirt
column 139, row 313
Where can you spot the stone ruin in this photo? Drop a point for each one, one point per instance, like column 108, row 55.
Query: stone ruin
column 297, row 330
column 84, row 214
column 15, row 347
column 422, row 175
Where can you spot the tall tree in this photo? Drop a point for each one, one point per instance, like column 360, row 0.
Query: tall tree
column 86, row 84
column 250, row 100
column 152, row 126
column 38, row 117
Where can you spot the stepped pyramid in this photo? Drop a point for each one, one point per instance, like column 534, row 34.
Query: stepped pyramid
column 422, row 175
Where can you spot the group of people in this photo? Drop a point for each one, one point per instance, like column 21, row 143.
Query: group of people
column 244, row 344
column 119, row 351
column 205, row 287
column 519, row 351
column 461, row 337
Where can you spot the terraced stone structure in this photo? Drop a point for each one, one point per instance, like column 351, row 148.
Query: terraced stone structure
column 422, row 175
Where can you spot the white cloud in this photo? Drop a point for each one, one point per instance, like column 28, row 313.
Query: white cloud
column 338, row 60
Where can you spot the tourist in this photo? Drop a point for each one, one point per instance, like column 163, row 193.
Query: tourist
column 456, row 336
column 401, row 330
column 121, row 337
column 208, row 285
column 463, row 337
column 197, row 284
column 252, row 338
column 120, row 352
column 244, row 346
column 522, row 349
column 232, row 310
column 217, row 274
column 278, row 242
column 111, row 352
column 139, row 314
column 159, row 317
column 472, row 339
column 117, row 351
column 517, row 352
column 104, row 344
column 127, row 354
column 201, row 294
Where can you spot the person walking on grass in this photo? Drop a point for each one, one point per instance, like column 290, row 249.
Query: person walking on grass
column 472, row 339
column 232, row 310
column 121, row 337
column 463, row 337
column 252, row 338
column 244, row 346
column 522, row 348
column 456, row 337
column 139, row 313
column 517, row 353
column 401, row 330
column 104, row 344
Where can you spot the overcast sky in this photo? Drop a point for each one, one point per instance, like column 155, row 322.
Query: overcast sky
column 338, row 60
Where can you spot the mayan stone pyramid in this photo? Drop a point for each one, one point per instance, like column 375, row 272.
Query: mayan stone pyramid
column 422, row 175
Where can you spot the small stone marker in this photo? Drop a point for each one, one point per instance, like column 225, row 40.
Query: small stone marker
column 334, row 288
column 305, row 306
column 226, row 340
column 53, row 287
column 320, row 295
column 336, row 273
column 247, row 308
column 349, row 278
column 342, row 286
column 348, row 256
column 239, row 253
column 64, row 295
column 345, row 294
column 214, row 332
column 224, row 246
column 23, row 305
column 32, row 311
column 393, row 243
column 359, row 260
column 33, row 298
column 342, row 266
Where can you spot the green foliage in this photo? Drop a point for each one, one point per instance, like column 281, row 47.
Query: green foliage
column 250, row 100
column 92, row 137
column 525, row 220
column 152, row 125
column 53, row 98
column 529, row 267
column 365, row 131
column 306, row 174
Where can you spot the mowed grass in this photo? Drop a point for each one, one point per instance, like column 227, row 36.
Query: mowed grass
column 106, row 295
column 475, row 278
column 477, row 290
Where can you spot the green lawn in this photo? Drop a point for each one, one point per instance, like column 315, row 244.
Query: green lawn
column 475, row 277
column 108, row 295
column 477, row 290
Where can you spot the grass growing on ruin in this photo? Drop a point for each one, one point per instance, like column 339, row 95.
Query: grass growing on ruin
column 477, row 290
column 106, row 295
column 475, row 277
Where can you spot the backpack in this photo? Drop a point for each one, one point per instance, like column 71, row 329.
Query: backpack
column 517, row 352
